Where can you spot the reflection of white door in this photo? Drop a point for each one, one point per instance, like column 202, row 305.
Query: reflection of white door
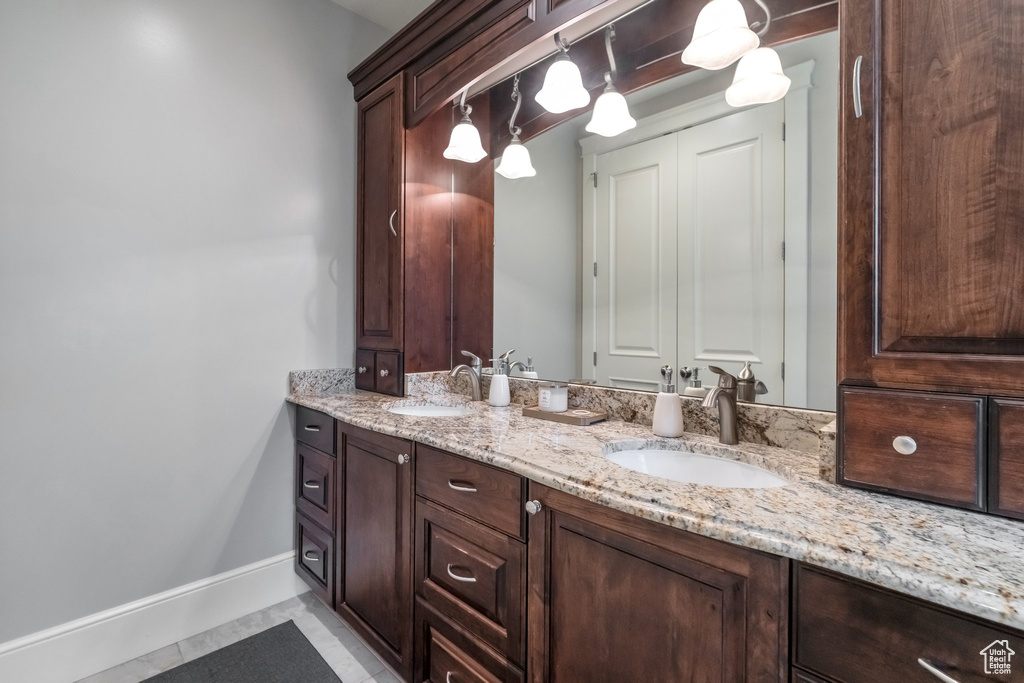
column 731, row 230
column 635, row 297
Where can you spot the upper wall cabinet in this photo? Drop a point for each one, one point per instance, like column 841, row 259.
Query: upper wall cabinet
column 932, row 214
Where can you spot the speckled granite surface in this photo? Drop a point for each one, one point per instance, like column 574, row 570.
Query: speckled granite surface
column 966, row 561
column 338, row 381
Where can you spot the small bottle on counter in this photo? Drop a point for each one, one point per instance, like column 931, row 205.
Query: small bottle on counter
column 499, row 395
column 529, row 372
column 668, row 409
column 694, row 389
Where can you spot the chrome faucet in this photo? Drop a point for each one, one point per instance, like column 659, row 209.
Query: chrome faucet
column 724, row 398
column 473, row 370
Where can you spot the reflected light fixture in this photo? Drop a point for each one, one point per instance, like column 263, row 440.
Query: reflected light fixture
column 465, row 141
column 720, row 36
column 515, row 161
column 611, row 113
column 563, row 85
column 759, row 78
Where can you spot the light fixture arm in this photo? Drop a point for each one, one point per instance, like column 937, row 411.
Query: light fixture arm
column 768, row 17
column 518, row 99
column 563, row 45
column 609, row 36
column 466, row 109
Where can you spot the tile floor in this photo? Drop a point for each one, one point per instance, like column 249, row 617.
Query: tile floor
column 340, row 648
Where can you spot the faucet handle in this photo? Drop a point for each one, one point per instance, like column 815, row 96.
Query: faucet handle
column 504, row 356
column 725, row 380
column 759, row 388
column 476, row 361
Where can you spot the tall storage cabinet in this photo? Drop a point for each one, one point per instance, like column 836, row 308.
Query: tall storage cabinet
column 932, row 224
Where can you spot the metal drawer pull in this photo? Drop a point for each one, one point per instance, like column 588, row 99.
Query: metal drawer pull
column 455, row 487
column 312, row 428
column 934, row 671
column 858, row 108
column 534, row 506
column 311, row 484
column 904, row 445
column 448, row 677
column 362, row 369
column 391, row 222
column 464, row 579
column 384, row 372
column 311, row 557
column 403, row 458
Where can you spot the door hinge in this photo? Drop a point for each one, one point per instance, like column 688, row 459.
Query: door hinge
column 595, row 268
column 594, row 176
column 783, row 251
column 595, row 359
column 783, row 132
column 783, row 370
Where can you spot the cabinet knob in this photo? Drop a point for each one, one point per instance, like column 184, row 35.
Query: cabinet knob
column 534, row 506
column 384, row 372
column 403, row 458
column 362, row 369
column 904, row 445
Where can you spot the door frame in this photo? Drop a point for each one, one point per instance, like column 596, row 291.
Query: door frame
column 797, row 220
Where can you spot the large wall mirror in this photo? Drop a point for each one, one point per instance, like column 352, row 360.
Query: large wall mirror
column 706, row 235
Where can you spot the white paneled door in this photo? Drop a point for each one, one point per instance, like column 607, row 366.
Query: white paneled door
column 688, row 245
column 635, row 245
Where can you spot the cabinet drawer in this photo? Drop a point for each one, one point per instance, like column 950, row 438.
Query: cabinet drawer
column 314, row 428
column 485, row 493
column 1006, row 456
column 944, row 431
column 447, row 654
column 390, row 375
column 314, row 557
column 472, row 575
column 314, row 485
column 366, row 370
column 854, row 633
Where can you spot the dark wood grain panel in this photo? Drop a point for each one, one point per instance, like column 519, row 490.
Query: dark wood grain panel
column 486, row 595
column 948, row 465
column 315, row 429
column 380, row 218
column 314, row 557
column 1006, row 457
column 315, row 485
column 684, row 607
column 851, row 632
column 804, row 677
column 497, row 496
column 375, row 542
column 449, row 653
column 390, row 373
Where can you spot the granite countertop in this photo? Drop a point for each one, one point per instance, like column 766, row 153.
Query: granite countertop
column 963, row 560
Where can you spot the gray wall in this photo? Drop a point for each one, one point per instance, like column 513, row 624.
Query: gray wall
column 176, row 233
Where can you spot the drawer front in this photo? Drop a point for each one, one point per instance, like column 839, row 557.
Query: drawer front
column 314, row 485
column 944, row 431
column 485, row 493
column 314, row 557
column 1006, row 457
column 390, row 375
column 446, row 653
column 474, row 576
column 854, row 633
column 315, row 429
column 366, row 370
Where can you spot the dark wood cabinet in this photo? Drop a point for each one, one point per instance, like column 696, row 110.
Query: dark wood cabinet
column 616, row 598
column 315, row 485
column 1006, row 446
column 447, row 653
column 314, row 557
column 374, row 539
column 848, row 631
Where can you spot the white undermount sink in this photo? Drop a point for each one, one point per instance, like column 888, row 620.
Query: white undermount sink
column 694, row 468
column 429, row 410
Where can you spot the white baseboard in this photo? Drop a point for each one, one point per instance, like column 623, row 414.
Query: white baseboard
column 92, row 644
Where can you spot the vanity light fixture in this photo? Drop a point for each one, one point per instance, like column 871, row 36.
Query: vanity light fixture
column 759, row 78
column 515, row 161
column 720, row 36
column 611, row 113
column 563, row 85
column 465, row 141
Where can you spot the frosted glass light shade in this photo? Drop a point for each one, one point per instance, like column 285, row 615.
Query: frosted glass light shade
column 563, row 87
column 720, row 37
column 611, row 114
column 759, row 79
column 465, row 143
column 515, row 162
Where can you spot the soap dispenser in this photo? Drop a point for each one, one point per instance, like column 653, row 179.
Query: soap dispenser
column 748, row 387
column 499, row 395
column 668, row 409
column 529, row 372
column 694, row 388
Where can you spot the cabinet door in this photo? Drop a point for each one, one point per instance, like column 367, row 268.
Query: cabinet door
column 380, row 225
column 932, row 215
column 1006, row 457
column 375, row 537
column 616, row 598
